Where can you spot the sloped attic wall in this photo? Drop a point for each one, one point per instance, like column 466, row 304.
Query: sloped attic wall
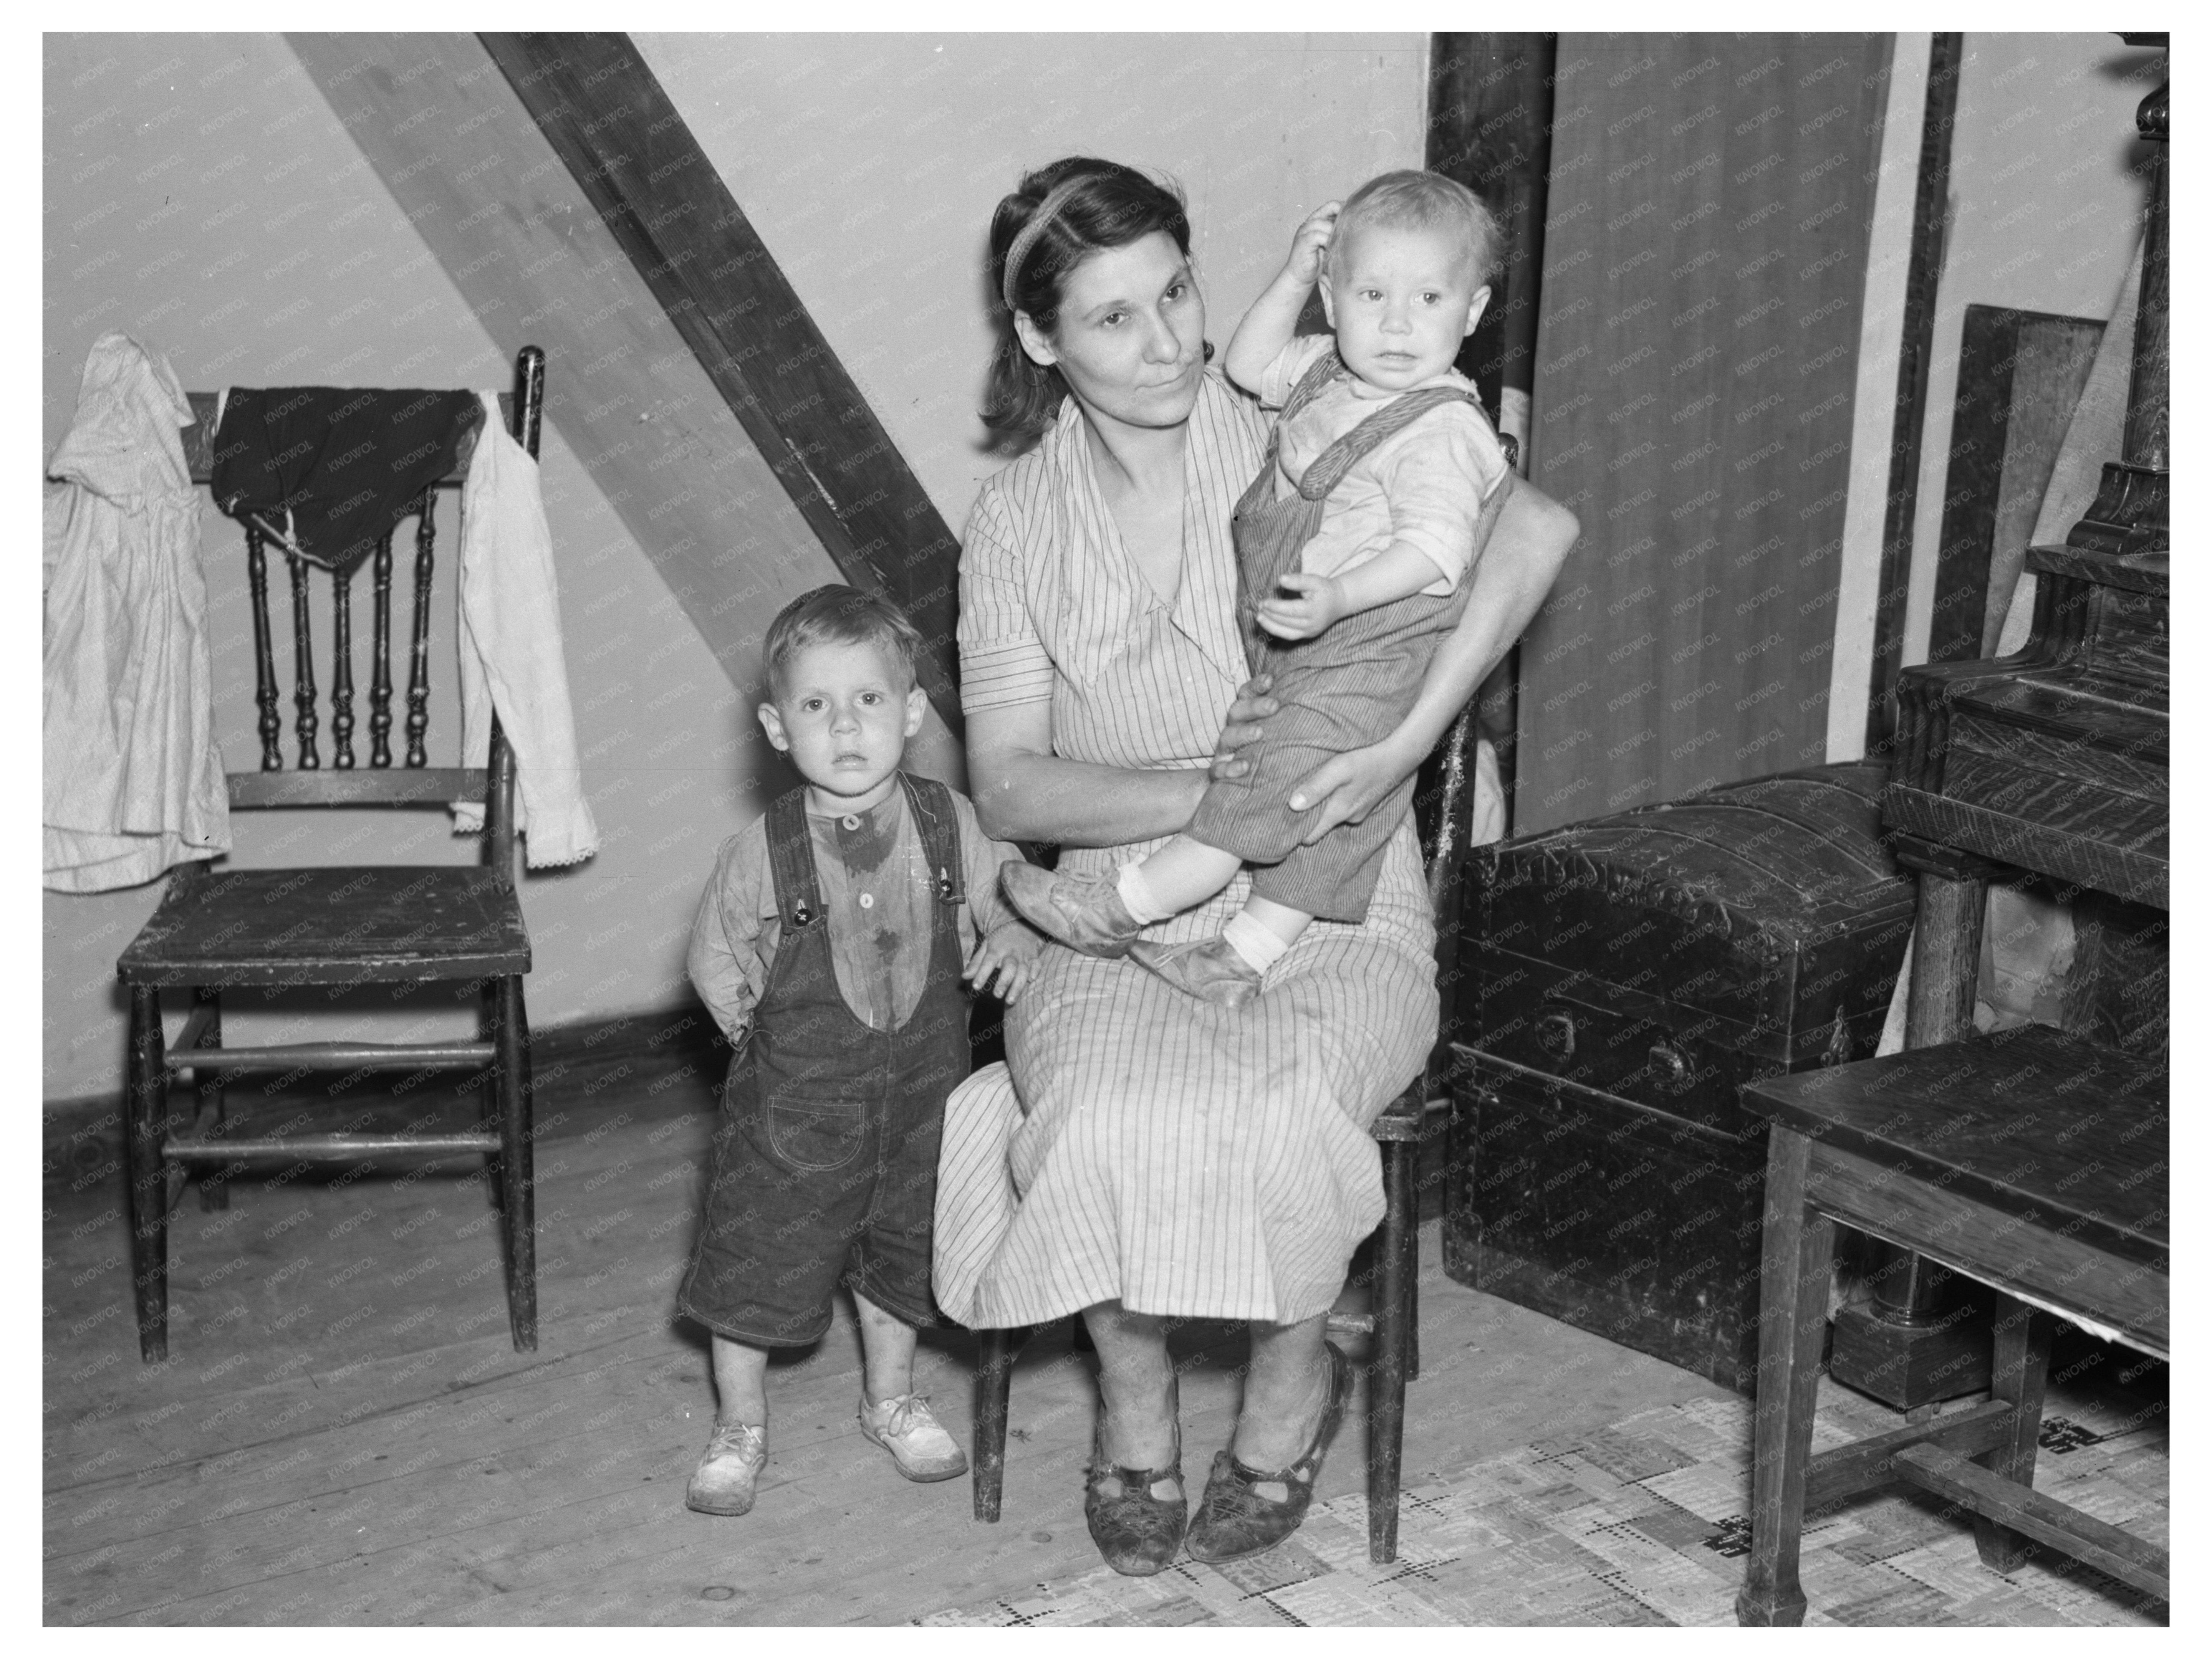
column 201, row 195
column 868, row 164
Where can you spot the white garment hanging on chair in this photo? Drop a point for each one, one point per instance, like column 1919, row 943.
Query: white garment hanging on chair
column 134, row 779
column 511, row 657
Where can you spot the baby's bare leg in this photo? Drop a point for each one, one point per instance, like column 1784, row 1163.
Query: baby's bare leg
column 1279, row 919
column 1185, row 872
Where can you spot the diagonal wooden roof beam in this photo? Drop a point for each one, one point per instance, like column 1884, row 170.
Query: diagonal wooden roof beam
column 608, row 118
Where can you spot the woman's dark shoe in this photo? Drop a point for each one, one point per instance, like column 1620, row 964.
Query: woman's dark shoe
column 1137, row 1531
column 1234, row 1519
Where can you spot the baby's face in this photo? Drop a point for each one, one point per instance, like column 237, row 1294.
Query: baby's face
column 1400, row 299
column 843, row 714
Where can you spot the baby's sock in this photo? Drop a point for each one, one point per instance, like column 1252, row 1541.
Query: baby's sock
column 1137, row 895
column 1259, row 945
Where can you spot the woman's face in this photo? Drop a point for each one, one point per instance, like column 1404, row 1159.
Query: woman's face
column 1131, row 337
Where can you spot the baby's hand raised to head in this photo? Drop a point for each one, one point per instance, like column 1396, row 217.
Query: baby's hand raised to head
column 1311, row 242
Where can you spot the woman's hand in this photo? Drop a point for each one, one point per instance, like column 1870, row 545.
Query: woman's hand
column 1004, row 960
column 1310, row 245
column 1241, row 726
column 1302, row 605
column 1344, row 789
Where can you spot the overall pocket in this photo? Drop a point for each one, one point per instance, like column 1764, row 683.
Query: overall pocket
column 815, row 1135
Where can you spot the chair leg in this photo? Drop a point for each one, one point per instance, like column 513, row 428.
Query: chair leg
column 488, row 1115
column 1386, row 1394
column 145, row 1098
column 517, row 1208
column 1797, row 1258
column 996, row 1352
column 215, row 1186
column 1412, row 1275
column 2020, row 1357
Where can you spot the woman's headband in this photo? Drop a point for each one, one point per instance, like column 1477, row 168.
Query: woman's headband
column 1056, row 198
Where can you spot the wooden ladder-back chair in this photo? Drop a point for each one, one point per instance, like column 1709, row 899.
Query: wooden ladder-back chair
column 337, row 925
column 1443, row 807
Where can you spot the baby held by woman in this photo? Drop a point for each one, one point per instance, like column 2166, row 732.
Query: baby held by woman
column 1354, row 546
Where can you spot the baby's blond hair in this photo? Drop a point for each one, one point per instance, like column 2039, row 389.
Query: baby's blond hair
column 1422, row 201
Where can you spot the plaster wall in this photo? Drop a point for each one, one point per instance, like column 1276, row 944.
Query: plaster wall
column 200, row 194
column 870, row 165
column 2045, row 210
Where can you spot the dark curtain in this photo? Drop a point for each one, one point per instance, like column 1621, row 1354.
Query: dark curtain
column 1705, row 254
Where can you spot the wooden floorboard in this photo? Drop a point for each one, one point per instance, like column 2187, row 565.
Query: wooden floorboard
column 343, row 1433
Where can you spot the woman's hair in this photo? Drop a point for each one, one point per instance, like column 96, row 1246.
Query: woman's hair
column 1422, row 201
column 1094, row 204
column 838, row 615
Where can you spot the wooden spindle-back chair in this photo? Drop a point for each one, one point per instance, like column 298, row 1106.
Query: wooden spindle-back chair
column 337, row 925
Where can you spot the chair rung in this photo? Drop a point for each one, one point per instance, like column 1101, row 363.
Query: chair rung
column 1347, row 1324
column 320, row 1057
column 334, row 1149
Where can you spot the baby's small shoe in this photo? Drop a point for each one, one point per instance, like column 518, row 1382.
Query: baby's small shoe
column 724, row 1481
column 1087, row 915
column 905, row 1426
column 1210, row 969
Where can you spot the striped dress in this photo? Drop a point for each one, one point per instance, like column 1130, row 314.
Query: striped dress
column 1189, row 1160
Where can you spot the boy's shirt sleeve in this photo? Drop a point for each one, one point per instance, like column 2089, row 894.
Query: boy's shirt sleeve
column 727, row 968
column 1439, row 480
column 981, row 857
column 1280, row 378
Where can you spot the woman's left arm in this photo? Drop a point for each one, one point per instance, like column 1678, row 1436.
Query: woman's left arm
column 1529, row 543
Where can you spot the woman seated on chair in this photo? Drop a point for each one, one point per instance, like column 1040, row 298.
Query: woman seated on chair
column 1152, row 1156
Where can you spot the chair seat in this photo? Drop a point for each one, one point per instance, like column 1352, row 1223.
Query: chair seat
column 341, row 925
column 1406, row 1116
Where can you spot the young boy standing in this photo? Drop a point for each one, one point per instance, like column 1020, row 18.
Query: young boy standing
column 828, row 946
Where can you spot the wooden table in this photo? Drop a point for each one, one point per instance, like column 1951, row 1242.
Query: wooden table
column 2030, row 1161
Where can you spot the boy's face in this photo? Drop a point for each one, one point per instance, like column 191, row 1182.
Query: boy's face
column 843, row 714
column 1400, row 300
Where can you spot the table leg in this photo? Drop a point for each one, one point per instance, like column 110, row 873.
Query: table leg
column 1919, row 1343
column 2018, row 1362
column 1797, row 1258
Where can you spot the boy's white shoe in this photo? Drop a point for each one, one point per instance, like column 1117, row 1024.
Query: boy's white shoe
column 905, row 1427
column 724, row 1481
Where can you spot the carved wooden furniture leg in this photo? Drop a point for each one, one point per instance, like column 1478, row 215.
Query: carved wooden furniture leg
column 1917, row 1346
column 2016, row 1374
column 1946, row 962
column 490, row 1102
column 1797, row 1251
column 145, row 1100
column 1386, row 1393
column 996, row 1352
column 514, row 1163
column 215, row 1186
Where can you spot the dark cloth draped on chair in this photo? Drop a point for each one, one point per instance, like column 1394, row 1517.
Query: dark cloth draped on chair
column 346, row 463
column 1704, row 259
